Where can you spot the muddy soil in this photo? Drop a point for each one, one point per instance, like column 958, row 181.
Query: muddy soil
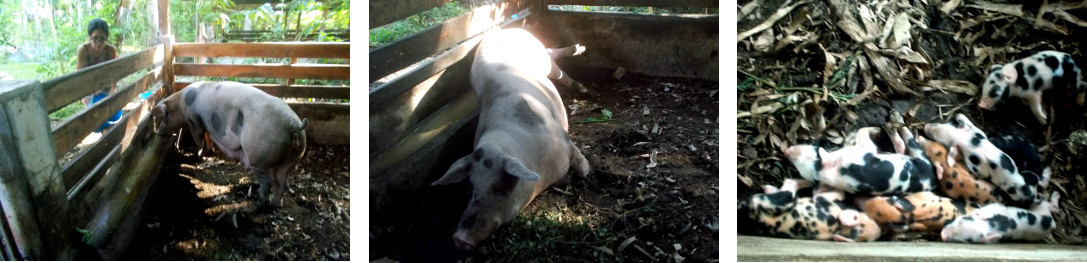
column 205, row 209
column 667, row 210
column 1061, row 143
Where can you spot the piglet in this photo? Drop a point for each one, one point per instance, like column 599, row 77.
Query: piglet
column 918, row 212
column 985, row 160
column 521, row 144
column 995, row 222
column 858, row 169
column 245, row 123
column 956, row 181
column 824, row 217
column 1025, row 156
column 1027, row 78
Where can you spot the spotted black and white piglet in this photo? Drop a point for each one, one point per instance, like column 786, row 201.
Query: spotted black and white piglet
column 955, row 180
column 995, row 222
column 985, row 160
column 1027, row 78
column 859, row 169
column 1025, row 156
column 823, row 217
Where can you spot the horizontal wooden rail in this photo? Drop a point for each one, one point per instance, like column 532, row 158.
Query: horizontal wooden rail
column 653, row 3
column 67, row 134
column 404, row 82
column 294, row 91
column 325, row 71
column 271, row 50
column 61, row 91
column 407, row 51
column 387, row 11
column 78, row 167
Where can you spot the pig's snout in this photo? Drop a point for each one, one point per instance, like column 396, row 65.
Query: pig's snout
column 463, row 241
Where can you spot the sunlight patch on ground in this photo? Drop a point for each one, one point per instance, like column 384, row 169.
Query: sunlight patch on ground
column 207, row 189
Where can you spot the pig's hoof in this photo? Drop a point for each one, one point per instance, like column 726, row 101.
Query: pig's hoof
column 840, row 238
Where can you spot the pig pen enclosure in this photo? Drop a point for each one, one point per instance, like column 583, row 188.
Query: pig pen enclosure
column 69, row 192
column 815, row 71
column 652, row 193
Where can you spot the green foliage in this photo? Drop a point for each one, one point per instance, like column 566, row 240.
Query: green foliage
column 548, row 233
column 415, row 23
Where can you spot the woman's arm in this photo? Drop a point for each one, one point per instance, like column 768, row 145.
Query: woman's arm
column 112, row 56
column 81, row 57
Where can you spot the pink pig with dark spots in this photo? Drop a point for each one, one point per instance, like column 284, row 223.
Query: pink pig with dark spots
column 246, row 124
column 521, row 144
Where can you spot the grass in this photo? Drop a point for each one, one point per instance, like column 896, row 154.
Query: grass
column 21, row 70
column 413, row 24
column 548, row 233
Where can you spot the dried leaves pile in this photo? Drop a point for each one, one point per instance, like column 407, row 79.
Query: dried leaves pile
column 806, row 67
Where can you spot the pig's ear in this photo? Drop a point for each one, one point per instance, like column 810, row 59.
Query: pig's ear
column 829, row 160
column 1009, row 74
column 159, row 110
column 514, row 167
column 457, row 172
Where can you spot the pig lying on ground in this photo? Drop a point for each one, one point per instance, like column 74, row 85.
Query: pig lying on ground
column 1025, row 156
column 995, row 222
column 922, row 211
column 521, row 144
column 823, row 217
column 957, row 182
column 245, row 123
column 1027, row 78
column 859, row 169
column 985, row 160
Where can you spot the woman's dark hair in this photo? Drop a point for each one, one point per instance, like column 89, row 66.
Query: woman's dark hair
column 98, row 24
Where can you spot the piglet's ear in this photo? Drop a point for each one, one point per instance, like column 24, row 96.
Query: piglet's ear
column 829, row 160
column 1009, row 74
column 456, row 173
column 516, row 168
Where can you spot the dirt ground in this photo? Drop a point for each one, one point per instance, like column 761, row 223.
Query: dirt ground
column 956, row 46
column 627, row 209
column 204, row 209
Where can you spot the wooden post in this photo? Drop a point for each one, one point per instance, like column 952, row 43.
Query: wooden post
column 34, row 198
column 167, row 40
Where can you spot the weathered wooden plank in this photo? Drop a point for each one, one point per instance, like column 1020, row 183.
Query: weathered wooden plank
column 264, row 71
column 407, row 51
column 78, row 167
column 61, row 91
column 16, row 196
column 402, row 83
column 655, row 45
column 653, row 3
column 294, row 91
column 271, row 50
column 69, row 132
column 98, row 167
column 387, row 11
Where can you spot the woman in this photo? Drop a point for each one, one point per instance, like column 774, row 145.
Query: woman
column 95, row 51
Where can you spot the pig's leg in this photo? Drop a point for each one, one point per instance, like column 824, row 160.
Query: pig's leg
column 279, row 182
column 863, row 138
column 558, row 75
column 1035, row 102
column 578, row 162
column 896, row 140
column 557, row 53
column 264, row 178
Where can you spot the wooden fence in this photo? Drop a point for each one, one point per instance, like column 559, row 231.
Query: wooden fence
column 420, row 95
column 55, row 192
column 328, row 119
